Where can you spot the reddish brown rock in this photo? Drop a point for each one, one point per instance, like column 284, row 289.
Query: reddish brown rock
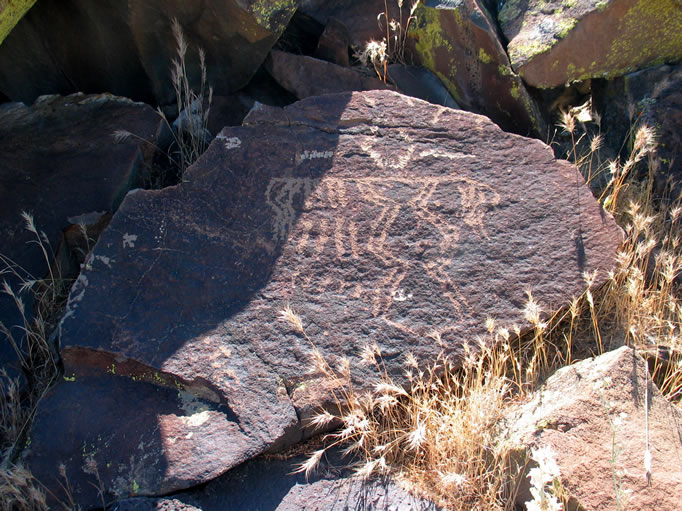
column 554, row 42
column 377, row 217
column 305, row 76
column 59, row 161
column 459, row 42
column 334, row 43
column 593, row 416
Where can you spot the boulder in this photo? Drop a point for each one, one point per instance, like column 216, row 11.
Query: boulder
column 593, row 416
column 130, row 46
column 554, row 42
column 651, row 97
column 60, row 161
column 375, row 216
column 269, row 482
column 458, row 41
column 334, row 44
column 421, row 83
column 305, row 76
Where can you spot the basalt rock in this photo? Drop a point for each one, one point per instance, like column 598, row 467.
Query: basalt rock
column 60, row 161
column 554, row 42
column 377, row 217
column 269, row 482
column 459, row 42
column 127, row 47
column 305, row 76
column 593, row 415
column 651, row 97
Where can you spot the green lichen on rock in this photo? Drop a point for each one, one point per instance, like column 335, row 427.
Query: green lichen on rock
column 11, row 11
column 273, row 15
column 649, row 33
column 484, row 57
column 429, row 40
column 509, row 12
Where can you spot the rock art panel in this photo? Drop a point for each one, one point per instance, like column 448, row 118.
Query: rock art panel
column 60, row 161
column 377, row 217
column 458, row 41
column 593, row 415
column 552, row 43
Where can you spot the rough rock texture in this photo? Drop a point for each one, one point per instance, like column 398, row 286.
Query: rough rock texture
column 59, row 161
column 377, row 217
column 305, row 76
column 130, row 46
column 592, row 415
column 651, row 97
column 11, row 12
column 334, row 43
column 555, row 42
column 269, row 483
column 359, row 17
column 459, row 43
column 421, row 83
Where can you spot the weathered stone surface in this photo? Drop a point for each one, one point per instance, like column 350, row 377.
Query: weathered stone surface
column 359, row 17
column 377, row 217
column 555, row 42
column 592, row 415
column 458, row 41
column 60, row 160
column 11, row 12
column 305, row 76
column 267, row 483
column 421, row 83
column 130, row 46
column 334, row 43
column 651, row 97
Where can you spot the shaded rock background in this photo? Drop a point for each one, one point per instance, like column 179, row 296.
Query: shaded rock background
column 268, row 482
column 61, row 164
column 378, row 217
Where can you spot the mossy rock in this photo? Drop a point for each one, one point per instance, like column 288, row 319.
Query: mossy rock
column 11, row 11
column 555, row 42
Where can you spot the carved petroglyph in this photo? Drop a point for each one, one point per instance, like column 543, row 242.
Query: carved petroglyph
column 441, row 203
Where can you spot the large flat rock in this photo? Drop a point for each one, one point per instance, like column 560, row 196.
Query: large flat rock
column 60, row 161
column 377, row 217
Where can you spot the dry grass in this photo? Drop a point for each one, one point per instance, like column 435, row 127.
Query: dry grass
column 190, row 131
column 378, row 54
column 439, row 433
column 38, row 358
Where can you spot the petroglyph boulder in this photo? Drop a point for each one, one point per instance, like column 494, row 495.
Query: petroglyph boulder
column 554, row 42
column 458, row 41
column 59, row 161
column 377, row 217
column 594, row 415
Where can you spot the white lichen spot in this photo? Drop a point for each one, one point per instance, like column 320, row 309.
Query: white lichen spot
column 129, row 240
column 104, row 259
column 230, row 142
column 400, row 296
column 313, row 155
column 198, row 419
